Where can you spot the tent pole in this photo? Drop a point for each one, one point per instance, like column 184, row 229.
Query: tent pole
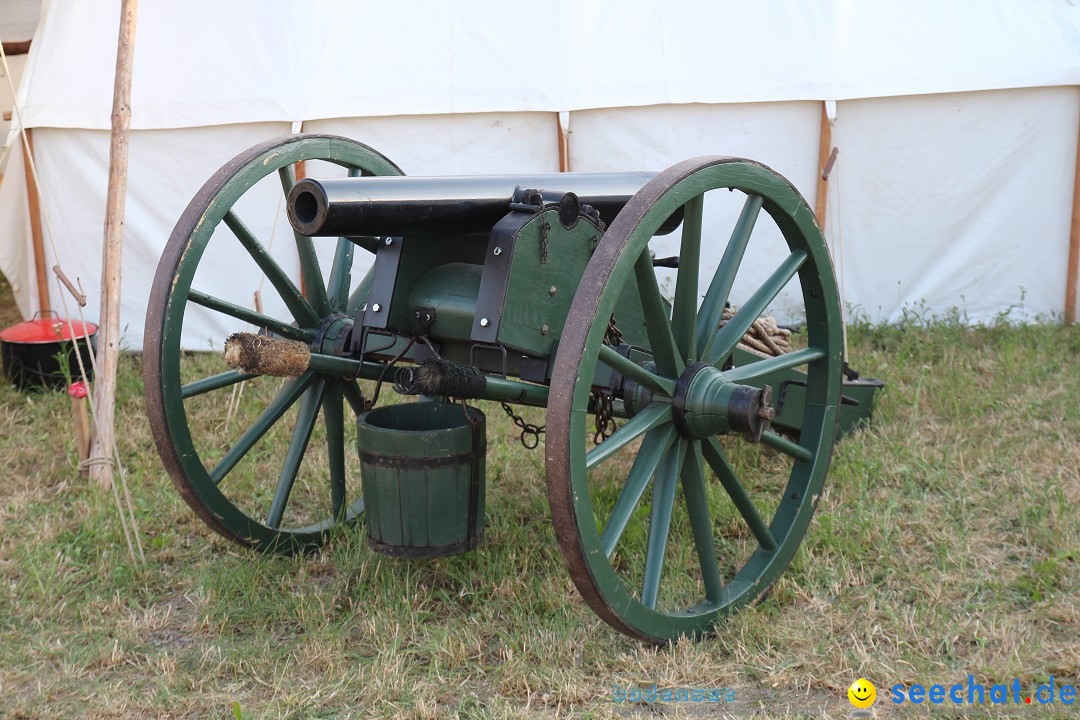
column 109, row 351
column 17, row 47
column 300, row 173
column 33, row 202
column 562, row 127
column 824, row 150
column 1071, row 268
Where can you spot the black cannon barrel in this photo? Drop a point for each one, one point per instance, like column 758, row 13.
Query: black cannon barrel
column 384, row 206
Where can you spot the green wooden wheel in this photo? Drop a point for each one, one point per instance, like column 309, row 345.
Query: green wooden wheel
column 706, row 542
column 249, row 454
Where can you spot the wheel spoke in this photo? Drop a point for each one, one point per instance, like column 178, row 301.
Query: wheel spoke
column 728, row 336
column 684, row 312
column 354, row 396
column 781, row 444
column 610, row 357
column 305, row 424
column 298, row 305
column 653, row 447
column 653, row 415
column 309, row 261
column 714, row 455
column 334, row 419
column 249, row 316
column 774, row 364
column 359, row 295
column 337, row 288
column 273, row 412
column 697, row 507
column 657, row 324
column 214, row 382
column 663, row 499
column 712, row 308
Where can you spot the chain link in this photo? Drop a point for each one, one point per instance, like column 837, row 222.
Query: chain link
column 605, row 422
column 530, row 434
column 613, row 335
column 602, row 401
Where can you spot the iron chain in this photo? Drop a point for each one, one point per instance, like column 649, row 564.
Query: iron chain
column 605, row 422
column 530, row 434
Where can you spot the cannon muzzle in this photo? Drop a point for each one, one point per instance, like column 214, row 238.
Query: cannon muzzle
column 398, row 206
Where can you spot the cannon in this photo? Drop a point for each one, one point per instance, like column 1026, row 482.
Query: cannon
column 682, row 465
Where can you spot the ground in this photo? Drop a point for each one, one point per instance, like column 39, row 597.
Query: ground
column 946, row 544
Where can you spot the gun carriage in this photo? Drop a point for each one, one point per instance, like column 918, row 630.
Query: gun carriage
column 531, row 291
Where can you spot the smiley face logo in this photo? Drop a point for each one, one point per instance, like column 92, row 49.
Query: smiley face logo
column 862, row 693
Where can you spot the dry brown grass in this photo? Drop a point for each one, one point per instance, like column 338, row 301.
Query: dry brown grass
column 947, row 543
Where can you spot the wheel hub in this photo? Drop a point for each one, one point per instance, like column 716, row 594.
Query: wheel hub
column 706, row 403
column 332, row 335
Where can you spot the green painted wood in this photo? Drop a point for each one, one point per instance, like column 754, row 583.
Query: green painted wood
column 653, row 449
column 297, row 304
column 718, row 294
column 337, row 287
column 655, row 312
column 334, row 420
column 714, row 455
column 652, row 416
column 697, row 508
column 294, row 455
column 621, row 255
column 250, row 316
column 767, row 366
column 787, row 447
column 284, row 399
column 530, row 306
column 360, row 294
column 732, row 332
column 789, row 389
column 684, row 312
column 634, row 371
column 417, row 465
column 663, row 502
column 192, row 243
column 214, row 382
column 305, row 249
column 450, row 290
column 419, row 256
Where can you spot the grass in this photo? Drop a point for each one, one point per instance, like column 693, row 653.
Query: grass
column 947, row 543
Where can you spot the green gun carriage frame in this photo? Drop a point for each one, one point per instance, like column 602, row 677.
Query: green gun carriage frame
column 538, row 291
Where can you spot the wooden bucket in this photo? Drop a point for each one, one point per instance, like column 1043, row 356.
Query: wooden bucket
column 422, row 469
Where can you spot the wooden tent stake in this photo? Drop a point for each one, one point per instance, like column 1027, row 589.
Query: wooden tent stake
column 108, row 353
column 1071, row 268
column 33, row 202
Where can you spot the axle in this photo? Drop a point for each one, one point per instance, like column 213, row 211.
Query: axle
column 263, row 355
column 401, row 206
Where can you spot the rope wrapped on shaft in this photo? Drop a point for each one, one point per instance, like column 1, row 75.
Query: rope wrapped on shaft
column 262, row 355
column 438, row 377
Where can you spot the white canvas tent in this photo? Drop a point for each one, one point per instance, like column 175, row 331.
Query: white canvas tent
column 956, row 122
